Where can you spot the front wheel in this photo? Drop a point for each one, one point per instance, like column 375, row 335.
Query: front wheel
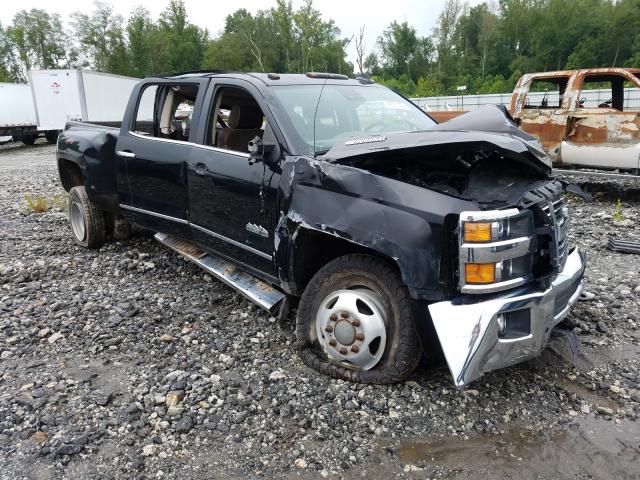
column 87, row 221
column 355, row 322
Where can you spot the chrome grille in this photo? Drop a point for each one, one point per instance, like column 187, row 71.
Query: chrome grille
column 557, row 214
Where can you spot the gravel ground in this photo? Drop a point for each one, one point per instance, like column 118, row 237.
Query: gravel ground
column 130, row 362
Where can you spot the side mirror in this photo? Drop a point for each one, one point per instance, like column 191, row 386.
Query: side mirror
column 259, row 151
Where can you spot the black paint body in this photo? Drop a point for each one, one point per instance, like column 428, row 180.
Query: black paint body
column 210, row 196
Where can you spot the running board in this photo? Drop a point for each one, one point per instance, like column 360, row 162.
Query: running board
column 253, row 288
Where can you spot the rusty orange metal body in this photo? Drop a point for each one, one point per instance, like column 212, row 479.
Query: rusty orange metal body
column 445, row 115
column 606, row 135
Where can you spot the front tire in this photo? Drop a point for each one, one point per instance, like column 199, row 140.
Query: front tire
column 355, row 322
column 87, row 221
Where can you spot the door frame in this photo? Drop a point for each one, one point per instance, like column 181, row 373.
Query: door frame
column 127, row 133
column 204, row 126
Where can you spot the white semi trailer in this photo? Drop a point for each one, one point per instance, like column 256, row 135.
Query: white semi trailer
column 17, row 113
column 64, row 95
column 53, row 97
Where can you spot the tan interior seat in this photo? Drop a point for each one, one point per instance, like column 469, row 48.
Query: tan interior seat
column 244, row 123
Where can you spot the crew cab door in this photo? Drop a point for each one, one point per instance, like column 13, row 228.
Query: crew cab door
column 152, row 153
column 602, row 125
column 233, row 200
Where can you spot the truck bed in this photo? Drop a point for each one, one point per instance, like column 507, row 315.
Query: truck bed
column 111, row 127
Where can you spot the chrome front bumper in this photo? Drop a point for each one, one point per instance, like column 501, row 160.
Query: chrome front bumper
column 468, row 330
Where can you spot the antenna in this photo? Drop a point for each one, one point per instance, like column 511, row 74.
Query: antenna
column 315, row 114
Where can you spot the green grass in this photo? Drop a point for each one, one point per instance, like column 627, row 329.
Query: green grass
column 36, row 203
column 41, row 204
column 617, row 212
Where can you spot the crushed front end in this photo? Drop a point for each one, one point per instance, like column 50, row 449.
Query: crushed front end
column 517, row 278
column 506, row 273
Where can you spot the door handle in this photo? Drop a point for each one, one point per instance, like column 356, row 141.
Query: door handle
column 201, row 169
column 126, row 154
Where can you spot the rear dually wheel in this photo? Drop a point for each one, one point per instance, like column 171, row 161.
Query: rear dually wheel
column 87, row 221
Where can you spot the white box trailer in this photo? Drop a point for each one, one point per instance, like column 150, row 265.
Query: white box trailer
column 17, row 113
column 64, row 95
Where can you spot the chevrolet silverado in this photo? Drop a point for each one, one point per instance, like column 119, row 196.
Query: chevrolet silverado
column 394, row 235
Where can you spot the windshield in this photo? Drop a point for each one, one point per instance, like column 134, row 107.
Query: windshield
column 347, row 112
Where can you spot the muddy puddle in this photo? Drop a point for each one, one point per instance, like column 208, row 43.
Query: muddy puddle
column 592, row 448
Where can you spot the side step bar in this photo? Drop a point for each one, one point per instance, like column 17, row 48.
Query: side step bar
column 254, row 289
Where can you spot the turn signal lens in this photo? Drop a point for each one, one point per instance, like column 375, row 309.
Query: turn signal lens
column 480, row 272
column 477, row 232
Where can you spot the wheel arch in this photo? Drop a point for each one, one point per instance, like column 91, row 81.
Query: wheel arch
column 311, row 249
column 70, row 174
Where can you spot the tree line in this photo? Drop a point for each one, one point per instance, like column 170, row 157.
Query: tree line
column 485, row 47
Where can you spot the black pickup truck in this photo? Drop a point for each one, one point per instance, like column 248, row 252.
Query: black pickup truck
column 393, row 235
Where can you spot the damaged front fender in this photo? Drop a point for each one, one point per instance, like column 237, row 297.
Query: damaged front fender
column 400, row 221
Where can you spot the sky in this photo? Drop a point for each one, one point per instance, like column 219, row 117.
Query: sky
column 349, row 15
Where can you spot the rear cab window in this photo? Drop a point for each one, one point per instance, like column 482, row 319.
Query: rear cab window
column 165, row 111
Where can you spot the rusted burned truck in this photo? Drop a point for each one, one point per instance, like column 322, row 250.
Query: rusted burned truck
column 583, row 118
column 579, row 129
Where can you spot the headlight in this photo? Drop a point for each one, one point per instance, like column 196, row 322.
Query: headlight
column 496, row 250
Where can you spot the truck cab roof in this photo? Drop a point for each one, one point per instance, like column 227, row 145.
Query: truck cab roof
column 271, row 79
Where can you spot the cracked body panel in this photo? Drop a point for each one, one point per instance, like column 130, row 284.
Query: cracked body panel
column 363, row 194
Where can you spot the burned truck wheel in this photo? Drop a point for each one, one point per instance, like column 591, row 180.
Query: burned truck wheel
column 87, row 222
column 354, row 322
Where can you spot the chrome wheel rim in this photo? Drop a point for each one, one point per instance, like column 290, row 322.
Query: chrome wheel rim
column 351, row 328
column 77, row 221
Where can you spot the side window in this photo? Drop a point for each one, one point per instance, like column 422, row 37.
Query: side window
column 546, row 93
column 235, row 119
column 605, row 91
column 144, row 116
column 165, row 111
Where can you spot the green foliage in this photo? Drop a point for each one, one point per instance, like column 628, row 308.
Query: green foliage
column 144, row 42
column 403, row 84
column 41, row 204
column 182, row 43
column 60, row 202
column 36, row 203
column 404, row 53
column 5, row 52
column 486, row 47
column 102, row 40
column 36, row 40
column 280, row 39
column 617, row 212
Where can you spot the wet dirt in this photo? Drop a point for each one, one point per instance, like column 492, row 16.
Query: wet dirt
column 592, row 448
column 574, row 388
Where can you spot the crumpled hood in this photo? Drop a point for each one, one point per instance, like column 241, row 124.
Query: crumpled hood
column 489, row 126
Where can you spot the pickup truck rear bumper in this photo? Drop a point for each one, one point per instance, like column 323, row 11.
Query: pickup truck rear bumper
column 480, row 336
